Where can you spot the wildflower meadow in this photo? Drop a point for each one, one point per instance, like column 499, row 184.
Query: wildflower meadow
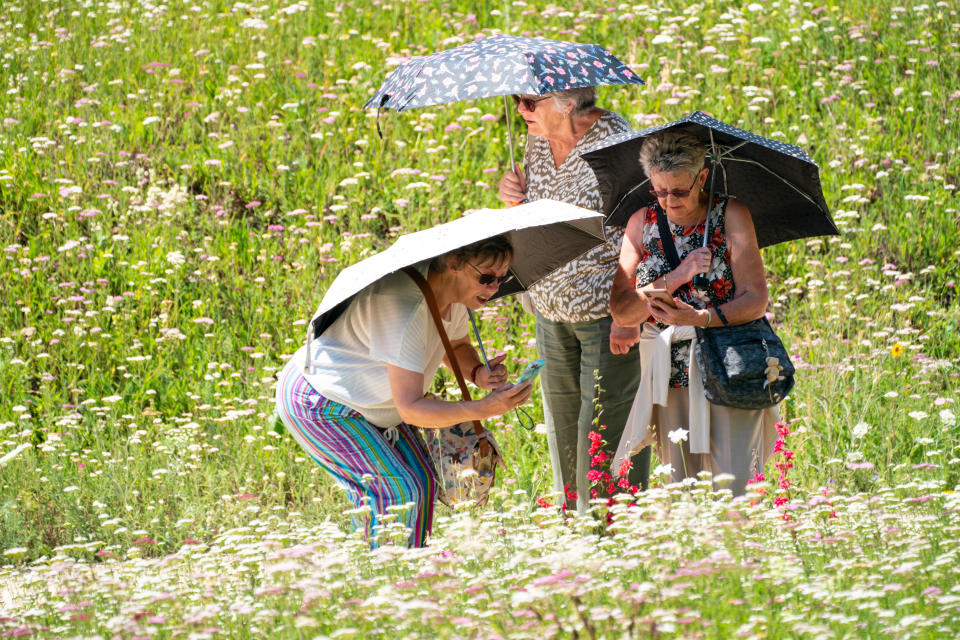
column 181, row 179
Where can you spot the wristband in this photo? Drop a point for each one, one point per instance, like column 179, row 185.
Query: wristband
column 473, row 373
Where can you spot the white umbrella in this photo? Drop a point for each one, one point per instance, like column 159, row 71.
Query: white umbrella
column 545, row 235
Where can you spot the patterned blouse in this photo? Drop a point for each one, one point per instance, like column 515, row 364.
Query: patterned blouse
column 654, row 263
column 580, row 290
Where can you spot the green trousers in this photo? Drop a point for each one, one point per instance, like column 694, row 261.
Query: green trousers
column 578, row 359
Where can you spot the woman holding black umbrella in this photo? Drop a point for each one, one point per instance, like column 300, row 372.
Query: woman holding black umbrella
column 692, row 434
column 575, row 333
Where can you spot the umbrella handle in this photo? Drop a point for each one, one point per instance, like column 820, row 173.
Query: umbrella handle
column 700, row 280
column 383, row 101
column 506, row 112
column 476, row 334
column 513, row 162
column 523, row 418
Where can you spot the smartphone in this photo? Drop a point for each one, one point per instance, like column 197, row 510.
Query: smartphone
column 661, row 296
column 532, row 371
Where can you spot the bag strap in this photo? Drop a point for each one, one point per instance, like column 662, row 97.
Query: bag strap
column 417, row 277
column 666, row 238
column 670, row 251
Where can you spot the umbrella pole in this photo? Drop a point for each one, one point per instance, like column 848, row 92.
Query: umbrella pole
column 706, row 223
column 476, row 334
column 506, row 111
column 713, row 174
column 700, row 280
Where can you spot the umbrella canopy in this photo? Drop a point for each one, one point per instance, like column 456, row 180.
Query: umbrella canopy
column 778, row 182
column 497, row 66
column 545, row 236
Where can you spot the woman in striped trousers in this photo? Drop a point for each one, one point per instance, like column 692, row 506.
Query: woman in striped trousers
column 352, row 408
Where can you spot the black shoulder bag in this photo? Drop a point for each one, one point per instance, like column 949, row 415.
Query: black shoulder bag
column 744, row 366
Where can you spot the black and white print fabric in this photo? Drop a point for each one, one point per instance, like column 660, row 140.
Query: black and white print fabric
column 499, row 65
column 580, row 290
column 778, row 182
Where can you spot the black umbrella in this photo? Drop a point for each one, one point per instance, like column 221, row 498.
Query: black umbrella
column 778, row 182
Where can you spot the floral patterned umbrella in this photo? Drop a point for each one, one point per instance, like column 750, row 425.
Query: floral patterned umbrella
column 499, row 65
column 778, row 182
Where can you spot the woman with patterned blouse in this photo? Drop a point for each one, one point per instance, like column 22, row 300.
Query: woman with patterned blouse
column 582, row 346
column 691, row 434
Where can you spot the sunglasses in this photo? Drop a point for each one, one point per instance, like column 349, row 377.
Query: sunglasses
column 530, row 104
column 676, row 193
column 487, row 279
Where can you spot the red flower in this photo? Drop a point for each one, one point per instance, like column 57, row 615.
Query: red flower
column 599, row 459
column 596, row 442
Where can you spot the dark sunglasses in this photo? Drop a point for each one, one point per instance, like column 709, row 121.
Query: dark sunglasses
column 530, row 104
column 487, row 279
column 676, row 193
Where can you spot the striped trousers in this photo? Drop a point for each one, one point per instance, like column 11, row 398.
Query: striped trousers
column 358, row 456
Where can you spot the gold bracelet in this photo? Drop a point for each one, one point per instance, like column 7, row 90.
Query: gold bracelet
column 709, row 318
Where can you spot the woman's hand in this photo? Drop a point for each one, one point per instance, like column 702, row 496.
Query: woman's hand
column 683, row 314
column 622, row 338
column 513, row 187
column 696, row 262
column 493, row 377
column 406, row 387
column 507, row 397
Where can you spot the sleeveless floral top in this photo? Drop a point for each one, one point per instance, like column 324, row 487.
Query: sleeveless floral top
column 654, row 263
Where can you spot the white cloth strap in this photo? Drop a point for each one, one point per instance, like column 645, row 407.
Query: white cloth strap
column 654, row 348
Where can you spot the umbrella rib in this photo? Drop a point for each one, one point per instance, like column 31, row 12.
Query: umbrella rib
column 518, row 279
column 779, row 177
column 628, row 193
column 727, row 150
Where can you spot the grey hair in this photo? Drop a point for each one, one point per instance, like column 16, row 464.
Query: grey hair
column 672, row 151
column 583, row 100
column 488, row 250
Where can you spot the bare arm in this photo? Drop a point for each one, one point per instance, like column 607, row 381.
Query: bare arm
column 406, row 387
column 750, row 300
column 627, row 306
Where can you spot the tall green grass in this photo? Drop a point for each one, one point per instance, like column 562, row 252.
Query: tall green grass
column 178, row 185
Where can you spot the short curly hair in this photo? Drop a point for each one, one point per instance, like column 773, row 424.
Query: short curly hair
column 672, row 151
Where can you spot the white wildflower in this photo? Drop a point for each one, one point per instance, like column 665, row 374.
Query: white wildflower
column 860, row 429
